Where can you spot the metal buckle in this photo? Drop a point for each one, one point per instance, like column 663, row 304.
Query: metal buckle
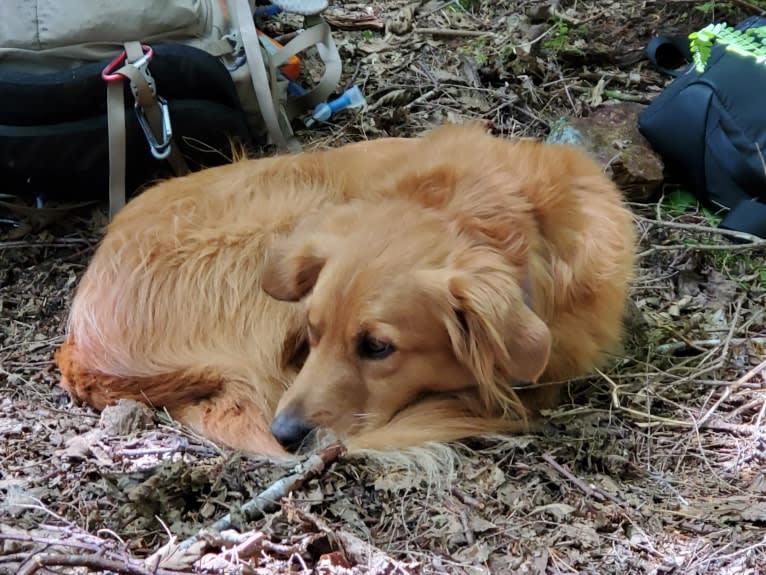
column 108, row 75
column 160, row 150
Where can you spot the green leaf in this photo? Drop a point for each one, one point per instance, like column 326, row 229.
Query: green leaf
column 681, row 201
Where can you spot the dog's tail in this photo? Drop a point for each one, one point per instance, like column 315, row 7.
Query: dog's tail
column 169, row 390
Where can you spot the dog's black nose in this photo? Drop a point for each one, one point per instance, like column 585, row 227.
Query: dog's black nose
column 290, row 429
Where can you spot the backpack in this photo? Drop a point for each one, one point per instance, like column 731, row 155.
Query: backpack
column 112, row 95
column 709, row 124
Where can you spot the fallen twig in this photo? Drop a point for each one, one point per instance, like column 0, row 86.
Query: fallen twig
column 467, row 499
column 614, row 94
column 268, row 500
column 705, row 343
column 581, row 485
column 651, row 419
column 422, row 98
column 237, row 547
column 359, row 551
column 704, row 248
column 729, row 336
column 49, row 542
column 470, row 537
column 594, row 492
column 454, row 33
column 761, row 414
column 731, row 388
column 60, row 243
column 702, row 229
column 740, row 428
column 91, row 562
column 749, row 6
column 92, row 553
column 355, row 23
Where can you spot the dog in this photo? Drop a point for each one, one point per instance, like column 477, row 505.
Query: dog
column 394, row 292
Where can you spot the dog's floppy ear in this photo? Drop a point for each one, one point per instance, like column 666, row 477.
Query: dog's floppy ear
column 493, row 329
column 295, row 261
column 292, row 267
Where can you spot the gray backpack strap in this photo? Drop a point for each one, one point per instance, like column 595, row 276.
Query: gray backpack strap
column 265, row 87
column 115, row 109
column 153, row 116
column 317, row 33
column 270, row 88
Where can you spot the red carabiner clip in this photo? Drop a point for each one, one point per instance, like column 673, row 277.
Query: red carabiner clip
column 108, row 73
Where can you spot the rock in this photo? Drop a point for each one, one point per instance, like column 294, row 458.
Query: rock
column 611, row 136
column 77, row 448
column 125, row 417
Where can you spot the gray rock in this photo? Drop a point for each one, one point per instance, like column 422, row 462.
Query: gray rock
column 611, row 136
column 125, row 417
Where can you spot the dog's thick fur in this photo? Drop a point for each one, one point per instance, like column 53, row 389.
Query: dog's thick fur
column 477, row 265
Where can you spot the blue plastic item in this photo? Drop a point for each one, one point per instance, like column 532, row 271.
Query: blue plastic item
column 351, row 98
column 267, row 11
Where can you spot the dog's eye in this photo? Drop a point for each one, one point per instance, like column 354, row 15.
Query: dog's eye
column 372, row 348
column 300, row 354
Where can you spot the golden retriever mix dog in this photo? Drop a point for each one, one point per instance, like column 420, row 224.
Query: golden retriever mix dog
column 394, row 292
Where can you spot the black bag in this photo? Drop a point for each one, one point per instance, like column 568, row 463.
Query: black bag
column 110, row 96
column 53, row 127
column 710, row 129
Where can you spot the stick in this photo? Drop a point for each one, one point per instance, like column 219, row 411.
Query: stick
column 595, row 492
column 615, row 94
column 470, row 538
column 268, row 500
column 749, row 6
column 581, row 485
column 100, row 556
column 703, row 229
column 422, row 98
column 60, row 243
column 729, row 389
column 740, row 428
column 755, row 246
column 452, row 32
column 759, row 419
column 705, row 343
column 355, row 23
column 358, row 550
column 657, row 420
column 467, row 499
column 91, row 562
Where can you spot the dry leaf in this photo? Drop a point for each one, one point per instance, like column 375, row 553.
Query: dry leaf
column 171, row 556
column 558, row 511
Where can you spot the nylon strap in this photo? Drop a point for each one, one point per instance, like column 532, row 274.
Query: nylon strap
column 318, row 34
column 144, row 93
column 115, row 116
column 265, row 88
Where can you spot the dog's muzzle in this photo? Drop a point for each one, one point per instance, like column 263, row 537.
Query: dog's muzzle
column 290, row 429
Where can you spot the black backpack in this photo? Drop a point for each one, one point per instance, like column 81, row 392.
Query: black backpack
column 53, row 126
column 710, row 129
column 111, row 96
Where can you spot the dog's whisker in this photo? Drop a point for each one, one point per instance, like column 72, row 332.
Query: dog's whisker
column 364, row 415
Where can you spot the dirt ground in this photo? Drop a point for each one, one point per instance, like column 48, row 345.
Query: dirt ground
column 653, row 466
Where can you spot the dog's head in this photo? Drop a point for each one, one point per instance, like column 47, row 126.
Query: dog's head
column 400, row 303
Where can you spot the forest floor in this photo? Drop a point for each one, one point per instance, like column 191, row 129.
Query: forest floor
column 653, row 466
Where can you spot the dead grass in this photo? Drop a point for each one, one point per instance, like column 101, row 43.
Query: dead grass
column 653, row 466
